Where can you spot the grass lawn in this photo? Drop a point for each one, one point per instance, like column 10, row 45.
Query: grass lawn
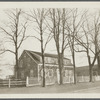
column 66, row 88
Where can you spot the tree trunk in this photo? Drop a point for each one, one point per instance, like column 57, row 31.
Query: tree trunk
column 62, row 65
column 60, row 68
column 43, row 70
column 73, row 57
column 98, row 63
column 90, row 72
column 16, row 65
column 16, row 54
column 43, row 63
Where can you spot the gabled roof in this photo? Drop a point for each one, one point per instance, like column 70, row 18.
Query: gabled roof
column 37, row 57
column 85, row 68
column 46, row 54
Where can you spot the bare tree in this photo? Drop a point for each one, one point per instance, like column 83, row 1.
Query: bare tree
column 90, row 42
column 73, row 28
column 15, row 32
column 58, row 19
column 39, row 17
column 96, row 37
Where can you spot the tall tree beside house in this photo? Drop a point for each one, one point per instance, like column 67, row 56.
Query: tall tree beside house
column 39, row 17
column 95, row 35
column 90, row 41
column 15, row 31
column 58, row 18
column 96, row 38
column 73, row 28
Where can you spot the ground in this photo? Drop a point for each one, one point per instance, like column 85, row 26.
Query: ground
column 93, row 87
column 90, row 90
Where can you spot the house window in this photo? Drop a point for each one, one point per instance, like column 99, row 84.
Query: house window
column 66, row 73
column 54, row 60
column 65, row 62
column 70, row 72
column 49, row 60
column 50, row 72
column 46, row 60
column 31, row 73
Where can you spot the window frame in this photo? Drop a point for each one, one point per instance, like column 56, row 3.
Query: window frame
column 51, row 72
column 46, row 59
column 66, row 75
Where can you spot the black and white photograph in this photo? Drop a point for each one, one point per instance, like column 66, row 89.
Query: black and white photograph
column 50, row 48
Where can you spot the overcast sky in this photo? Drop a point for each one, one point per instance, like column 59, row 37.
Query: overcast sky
column 33, row 44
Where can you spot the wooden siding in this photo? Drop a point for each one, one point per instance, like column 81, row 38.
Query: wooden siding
column 51, row 60
column 51, row 74
column 27, row 66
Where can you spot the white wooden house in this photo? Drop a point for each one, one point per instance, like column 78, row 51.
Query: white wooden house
column 30, row 65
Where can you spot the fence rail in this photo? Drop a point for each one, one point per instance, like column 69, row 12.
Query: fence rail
column 34, row 81
column 86, row 78
column 10, row 83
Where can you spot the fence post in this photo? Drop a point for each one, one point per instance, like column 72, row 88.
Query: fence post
column 9, row 83
column 27, row 81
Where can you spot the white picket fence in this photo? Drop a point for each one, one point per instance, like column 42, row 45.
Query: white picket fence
column 12, row 83
column 30, row 81
column 86, row 78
